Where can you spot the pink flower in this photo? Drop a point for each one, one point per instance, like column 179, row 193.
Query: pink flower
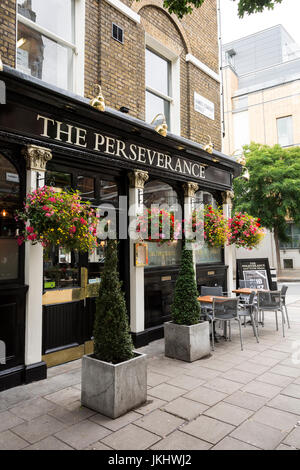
column 48, row 215
column 20, row 240
column 30, row 229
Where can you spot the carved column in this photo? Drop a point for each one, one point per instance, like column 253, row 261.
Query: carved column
column 229, row 251
column 36, row 160
column 137, row 179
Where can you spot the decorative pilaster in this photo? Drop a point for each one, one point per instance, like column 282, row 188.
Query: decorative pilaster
column 137, row 179
column 227, row 197
column 36, row 160
column 189, row 190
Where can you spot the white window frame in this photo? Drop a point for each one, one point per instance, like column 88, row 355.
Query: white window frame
column 78, row 47
column 174, row 98
column 290, row 116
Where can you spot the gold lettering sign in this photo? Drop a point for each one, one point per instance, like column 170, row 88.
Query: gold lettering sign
column 166, row 278
column 211, row 273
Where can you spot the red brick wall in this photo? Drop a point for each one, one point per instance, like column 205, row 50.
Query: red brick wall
column 8, row 31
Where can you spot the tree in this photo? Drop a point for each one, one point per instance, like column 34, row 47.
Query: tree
column 184, row 7
column 112, row 339
column 272, row 192
column 186, row 309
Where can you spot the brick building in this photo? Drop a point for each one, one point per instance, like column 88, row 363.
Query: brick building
column 147, row 62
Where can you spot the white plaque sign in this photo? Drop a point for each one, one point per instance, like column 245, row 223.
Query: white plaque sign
column 204, row 106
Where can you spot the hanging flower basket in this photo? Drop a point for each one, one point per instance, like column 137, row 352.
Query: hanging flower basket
column 158, row 226
column 58, row 218
column 245, row 231
column 216, row 230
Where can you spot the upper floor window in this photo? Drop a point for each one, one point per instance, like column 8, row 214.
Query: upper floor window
column 158, row 86
column 46, row 41
column 285, row 131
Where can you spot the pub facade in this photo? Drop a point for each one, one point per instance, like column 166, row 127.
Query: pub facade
column 53, row 136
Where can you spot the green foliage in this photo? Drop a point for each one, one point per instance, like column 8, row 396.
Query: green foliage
column 184, row 7
column 273, row 190
column 186, row 308
column 112, row 339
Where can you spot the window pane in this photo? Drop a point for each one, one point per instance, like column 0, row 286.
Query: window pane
column 96, row 263
column 157, row 192
column 43, row 58
column 58, row 179
column 9, row 203
column 60, row 268
column 157, row 72
column 86, row 187
column 165, row 255
column 55, row 15
column 285, row 131
column 156, row 105
column 108, row 192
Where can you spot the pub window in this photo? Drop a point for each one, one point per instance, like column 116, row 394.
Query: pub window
column 47, row 43
column 61, row 267
column 9, row 203
column 157, row 192
column 86, row 187
column 158, row 86
column 207, row 254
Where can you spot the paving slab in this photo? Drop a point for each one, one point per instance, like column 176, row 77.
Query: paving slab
column 223, row 385
column 202, row 373
column 285, row 403
column 49, row 443
column 205, row 395
column 151, row 404
column 287, row 371
column 228, row 443
column 10, row 441
column 293, row 439
column 82, row 434
column 131, row 438
column 32, row 408
column 230, row 414
column 154, row 379
column 186, row 382
column 97, row 446
column 159, row 422
column 258, row 435
column 38, row 428
column 262, row 389
column 180, row 441
column 115, row 424
column 65, row 396
column 8, row 420
column 276, row 418
column 72, row 414
column 166, row 392
column 285, row 447
column 255, row 369
column 239, row 376
column 275, row 379
column 207, row 429
column 292, row 390
column 185, row 409
column 246, row 400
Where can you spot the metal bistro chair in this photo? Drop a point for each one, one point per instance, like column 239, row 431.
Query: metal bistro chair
column 206, row 290
column 283, row 300
column 225, row 311
column 270, row 301
column 250, row 309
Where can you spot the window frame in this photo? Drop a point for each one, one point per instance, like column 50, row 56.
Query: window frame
column 174, row 81
column 290, row 117
column 77, row 47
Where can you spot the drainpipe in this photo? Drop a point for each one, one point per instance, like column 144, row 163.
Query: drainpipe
column 220, row 69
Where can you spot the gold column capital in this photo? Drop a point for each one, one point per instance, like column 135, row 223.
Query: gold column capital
column 137, row 178
column 36, row 157
column 227, row 197
column 190, row 189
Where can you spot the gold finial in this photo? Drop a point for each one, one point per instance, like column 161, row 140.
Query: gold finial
column 98, row 102
column 161, row 129
column 209, row 148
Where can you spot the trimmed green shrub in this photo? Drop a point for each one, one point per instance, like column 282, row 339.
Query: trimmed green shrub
column 112, row 339
column 186, row 308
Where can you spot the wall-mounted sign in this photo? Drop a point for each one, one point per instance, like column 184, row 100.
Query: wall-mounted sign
column 255, row 271
column 12, row 177
column 204, row 106
column 141, row 254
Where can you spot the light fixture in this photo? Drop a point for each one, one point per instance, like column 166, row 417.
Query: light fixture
column 21, row 42
column 209, row 148
column 98, row 102
column 161, row 129
column 4, row 213
column 241, row 159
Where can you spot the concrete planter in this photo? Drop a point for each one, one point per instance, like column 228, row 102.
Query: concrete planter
column 187, row 343
column 113, row 389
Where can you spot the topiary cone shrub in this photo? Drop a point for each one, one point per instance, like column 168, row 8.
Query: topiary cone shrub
column 112, row 339
column 186, row 309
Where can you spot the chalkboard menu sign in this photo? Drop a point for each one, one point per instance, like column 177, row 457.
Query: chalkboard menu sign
column 256, row 273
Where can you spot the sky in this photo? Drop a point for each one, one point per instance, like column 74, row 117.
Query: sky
column 287, row 13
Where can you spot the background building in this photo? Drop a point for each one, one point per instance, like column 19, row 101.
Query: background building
column 261, row 80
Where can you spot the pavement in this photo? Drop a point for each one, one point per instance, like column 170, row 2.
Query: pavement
column 233, row 400
column 289, row 275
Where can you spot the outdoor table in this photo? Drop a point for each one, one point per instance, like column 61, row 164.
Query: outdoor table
column 208, row 299
column 247, row 291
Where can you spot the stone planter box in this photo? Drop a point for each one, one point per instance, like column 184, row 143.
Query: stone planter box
column 187, row 343
column 113, row 389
